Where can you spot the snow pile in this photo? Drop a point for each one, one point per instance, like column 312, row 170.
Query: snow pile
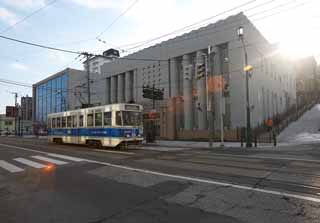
column 305, row 129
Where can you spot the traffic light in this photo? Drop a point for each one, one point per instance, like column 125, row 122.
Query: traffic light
column 147, row 92
column 152, row 93
column 201, row 70
column 226, row 90
column 187, row 72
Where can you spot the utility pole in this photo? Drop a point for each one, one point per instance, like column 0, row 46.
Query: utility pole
column 247, row 69
column 221, row 113
column 210, row 112
column 88, row 56
column 15, row 111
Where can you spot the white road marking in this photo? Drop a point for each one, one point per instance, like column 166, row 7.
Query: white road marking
column 199, row 180
column 116, row 152
column 58, row 162
column 22, row 148
column 76, row 159
column 10, row 167
column 30, row 163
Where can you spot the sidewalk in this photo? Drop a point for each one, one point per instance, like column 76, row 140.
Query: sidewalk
column 166, row 145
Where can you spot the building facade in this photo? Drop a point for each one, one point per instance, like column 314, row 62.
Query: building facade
column 96, row 62
column 62, row 91
column 172, row 66
column 307, row 81
column 7, row 125
column 26, row 108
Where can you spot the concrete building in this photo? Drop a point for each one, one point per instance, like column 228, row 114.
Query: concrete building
column 307, row 81
column 96, row 62
column 59, row 92
column 172, row 66
column 26, row 108
column 7, row 125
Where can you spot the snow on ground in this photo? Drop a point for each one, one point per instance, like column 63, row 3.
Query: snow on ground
column 305, row 129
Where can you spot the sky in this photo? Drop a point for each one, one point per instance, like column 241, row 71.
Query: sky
column 75, row 24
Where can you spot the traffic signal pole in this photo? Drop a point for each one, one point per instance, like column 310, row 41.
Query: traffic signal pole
column 248, row 111
column 210, row 114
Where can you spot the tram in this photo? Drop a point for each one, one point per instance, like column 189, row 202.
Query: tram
column 111, row 125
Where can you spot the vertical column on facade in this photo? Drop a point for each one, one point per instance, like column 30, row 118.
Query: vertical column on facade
column 128, row 86
column 201, row 89
column 108, row 96
column 187, row 92
column 174, row 80
column 120, row 88
column 135, row 86
column 113, row 89
column 217, row 94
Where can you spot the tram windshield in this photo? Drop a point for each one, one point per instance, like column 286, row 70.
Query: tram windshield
column 130, row 118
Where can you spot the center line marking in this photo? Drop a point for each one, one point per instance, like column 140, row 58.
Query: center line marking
column 116, row 152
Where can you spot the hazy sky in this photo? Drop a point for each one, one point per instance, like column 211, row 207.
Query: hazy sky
column 74, row 24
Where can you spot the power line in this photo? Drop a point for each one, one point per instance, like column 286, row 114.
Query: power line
column 39, row 45
column 196, row 23
column 117, row 18
column 204, row 33
column 28, row 16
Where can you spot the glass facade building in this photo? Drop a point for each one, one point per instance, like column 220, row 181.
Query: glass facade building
column 51, row 97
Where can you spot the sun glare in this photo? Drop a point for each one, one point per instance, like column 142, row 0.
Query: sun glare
column 297, row 47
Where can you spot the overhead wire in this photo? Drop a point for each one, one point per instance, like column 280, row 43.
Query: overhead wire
column 28, row 16
column 171, row 33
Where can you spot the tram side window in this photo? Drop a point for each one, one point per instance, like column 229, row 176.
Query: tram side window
column 53, row 123
column 63, row 122
column 58, row 122
column 118, row 118
column 69, row 122
column 80, row 120
column 49, row 122
column 74, row 121
column 89, row 120
column 98, row 119
column 107, row 118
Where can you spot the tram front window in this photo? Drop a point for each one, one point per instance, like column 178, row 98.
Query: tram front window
column 129, row 118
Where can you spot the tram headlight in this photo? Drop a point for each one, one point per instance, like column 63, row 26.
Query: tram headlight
column 128, row 136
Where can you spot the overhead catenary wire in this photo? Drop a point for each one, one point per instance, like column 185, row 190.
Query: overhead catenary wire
column 28, row 16
column 144, row 43
column 117, row 18
column 74, row 52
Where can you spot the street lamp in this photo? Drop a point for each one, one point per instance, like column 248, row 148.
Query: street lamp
column 247, row 69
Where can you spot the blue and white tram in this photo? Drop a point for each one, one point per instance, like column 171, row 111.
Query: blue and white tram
column 108, row 125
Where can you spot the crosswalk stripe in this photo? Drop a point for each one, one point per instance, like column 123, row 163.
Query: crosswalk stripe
column 10, row 167
column 66, row 157
column 58, row 162
column 30, row 163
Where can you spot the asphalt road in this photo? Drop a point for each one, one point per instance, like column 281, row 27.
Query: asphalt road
column 43, row 182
